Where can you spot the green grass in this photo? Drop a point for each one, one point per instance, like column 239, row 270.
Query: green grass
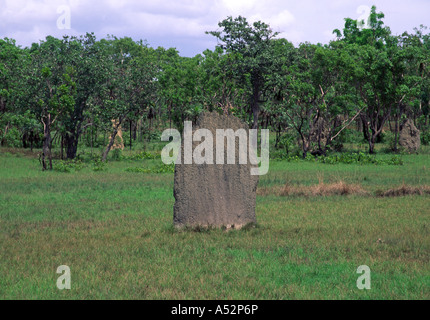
column 114, row 230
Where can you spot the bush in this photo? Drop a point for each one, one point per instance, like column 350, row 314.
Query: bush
column 287, row 142
column 425, row 136
column 346, row 158
column 99, row 165
column 389, row 138
column 351, row 136
column 153, row 136
column 68, row 165
column 140, row 156
column 163, row 168
column 13, row 138
column 360, row 158
column 116, row 154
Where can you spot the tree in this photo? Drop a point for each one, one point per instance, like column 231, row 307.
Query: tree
column 84, row 55
column 417, row 48
column 252, row 47
column 10, row 58
column 50, row 90
column 377, row 72
column 180, row 87
column 309, row 95
column 375, row 34
column 220, row 89
column 129, row 83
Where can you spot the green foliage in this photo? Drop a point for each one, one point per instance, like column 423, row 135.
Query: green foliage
column 287, row 142
column 99, row 165
column 359, row 158
column 140, row 156
column 251, row 48
column 425, row 136
column 152, row 136
column 163, row 168
column 68, row 166
column 117, row 154
column 351, row 136
column 345, row 158
column 374, row 33
column 389, row 139
column 87, row 157
column 72, row 84
column 181, row 89
column 12, row 138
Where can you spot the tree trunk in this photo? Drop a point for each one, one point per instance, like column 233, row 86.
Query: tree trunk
column 255, row 107
column 134, row 130
column 373, row 136
column 31, row 140
column 92, row 140
column 71, row 145
column 62, row 147
column 305, row 146
column 4, row 135
column 255, row 112
column 131, row 132
column 46, row 150
column 396, row 133
column 365, row 127
column 371, row 147
column 278, row 136
column 110, row 144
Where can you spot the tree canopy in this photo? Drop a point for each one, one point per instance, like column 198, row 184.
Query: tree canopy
column 311, row 94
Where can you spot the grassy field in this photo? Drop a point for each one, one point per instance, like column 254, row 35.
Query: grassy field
column 113, row 228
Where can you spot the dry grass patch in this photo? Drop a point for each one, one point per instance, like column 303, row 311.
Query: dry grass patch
column 321, row 189
column 404, row 190
column 340, row 188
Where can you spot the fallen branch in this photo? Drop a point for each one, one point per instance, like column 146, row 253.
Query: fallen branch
column 332, row 138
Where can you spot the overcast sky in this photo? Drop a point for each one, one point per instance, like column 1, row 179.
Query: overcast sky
column 182, row 23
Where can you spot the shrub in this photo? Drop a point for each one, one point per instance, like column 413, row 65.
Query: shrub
column 153, row 136
column 351, row 136
column 360, row 158
column 425, row 136
column 163, row 168
column 68, row 165
column 13, row 138
column 141, row 156
column 287, row 142
column 98, row 165
column 116, row 154
column 346, row 158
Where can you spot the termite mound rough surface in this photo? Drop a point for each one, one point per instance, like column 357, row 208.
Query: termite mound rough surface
column 215, row 195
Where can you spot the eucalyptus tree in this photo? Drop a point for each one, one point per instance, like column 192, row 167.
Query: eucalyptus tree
column 13, row 113
column 376, row 72
column 129, row 85
column 84, row 55
column 180, row 87
column 309, row 95
column 417, row 48
column 374, row 34
column 284, row 58
column 11, row 58
column 411, row 70
column 220, row 89
column 252, row 48
column 49, row 88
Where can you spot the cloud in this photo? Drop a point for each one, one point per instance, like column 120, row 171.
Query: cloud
column 182, row 24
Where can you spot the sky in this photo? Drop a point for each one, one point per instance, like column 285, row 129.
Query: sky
column 182, row 23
